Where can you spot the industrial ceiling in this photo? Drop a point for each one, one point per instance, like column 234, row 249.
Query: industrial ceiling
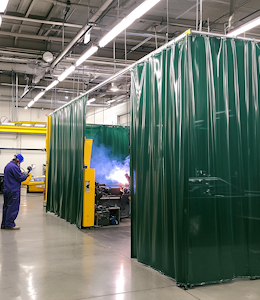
column 39, row 39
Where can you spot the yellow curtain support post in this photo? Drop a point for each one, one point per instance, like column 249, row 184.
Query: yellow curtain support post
column 48, row 139
column 89, row 187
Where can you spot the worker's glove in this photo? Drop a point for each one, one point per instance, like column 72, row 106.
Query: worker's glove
column 29, row 169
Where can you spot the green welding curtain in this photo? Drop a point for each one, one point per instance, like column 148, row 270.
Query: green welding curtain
column 65, row 184
column 195, row 160
column 112, row 136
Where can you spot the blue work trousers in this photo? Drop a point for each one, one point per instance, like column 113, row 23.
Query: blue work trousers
column 10, row 208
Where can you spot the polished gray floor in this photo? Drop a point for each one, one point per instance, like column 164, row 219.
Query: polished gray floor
column 49, row 259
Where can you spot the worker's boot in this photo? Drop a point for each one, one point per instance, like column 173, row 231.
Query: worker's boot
column 12, row 228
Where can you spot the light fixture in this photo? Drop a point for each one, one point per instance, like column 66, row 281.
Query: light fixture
column 30, row 103
column 26, row 107
column 38, row 96
column 87, row 37
column 26, row 124
column 66, row 73
column 66, row 97
column 91, row 100
column 52, row 85
column 3, row 5
column 110, row 101
column 127, row 21
column 0, row 21
column 86, row 55
column 48, row 57
column 114, row 87
column 8, row 124
column 247, row 26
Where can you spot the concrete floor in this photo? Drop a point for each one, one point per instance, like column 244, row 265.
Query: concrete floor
column 49, row 259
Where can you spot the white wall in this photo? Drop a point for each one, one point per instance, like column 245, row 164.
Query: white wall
column 116, row 115
column 30, row 115
column 30, row 157
column 23, row 141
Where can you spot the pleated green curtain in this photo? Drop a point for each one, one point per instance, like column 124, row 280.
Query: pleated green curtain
column 65, row 192
column 195, row 144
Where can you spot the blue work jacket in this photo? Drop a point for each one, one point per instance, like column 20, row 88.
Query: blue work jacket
column 13, row 177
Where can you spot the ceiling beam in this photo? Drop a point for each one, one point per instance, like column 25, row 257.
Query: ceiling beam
column 26, row 16
column 73, row 5
column 31, row 36
column 39, row 21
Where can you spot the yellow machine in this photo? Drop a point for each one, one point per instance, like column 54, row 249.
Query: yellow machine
column 36, row 184
column 89, row 188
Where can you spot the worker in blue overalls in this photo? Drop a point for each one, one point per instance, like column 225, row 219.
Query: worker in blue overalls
column 12, row 187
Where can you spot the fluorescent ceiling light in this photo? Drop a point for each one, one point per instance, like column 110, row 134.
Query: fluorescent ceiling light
column 127, row 21
column 91, row 100
column 52, row 85
column 30, row 103
column 247, row 26
column 110, row 101
column 9, row 124
column 26, row 124
column 39, row 125
column 114, row 87
column 3, row 5
column 86, row 55
column 0, row 21
column 38, row 96
column 66, row 73
column 26, row 107
column 87, row 37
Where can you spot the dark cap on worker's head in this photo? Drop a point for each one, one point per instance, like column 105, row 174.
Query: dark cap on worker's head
column 20, row 157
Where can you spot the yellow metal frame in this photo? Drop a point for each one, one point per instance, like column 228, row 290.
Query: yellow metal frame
column 88, row 218
column 32, row 186
column 29, row 122
column 48, row 140
column 22, row 129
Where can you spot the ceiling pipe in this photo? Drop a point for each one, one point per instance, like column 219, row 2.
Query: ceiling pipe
column 84, row 29
column 35, row 37
column 13, row 53
column 39, row 21
column 73, row 5
column 200, row 15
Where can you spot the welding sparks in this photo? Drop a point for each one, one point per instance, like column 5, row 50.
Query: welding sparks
column 118, row 175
